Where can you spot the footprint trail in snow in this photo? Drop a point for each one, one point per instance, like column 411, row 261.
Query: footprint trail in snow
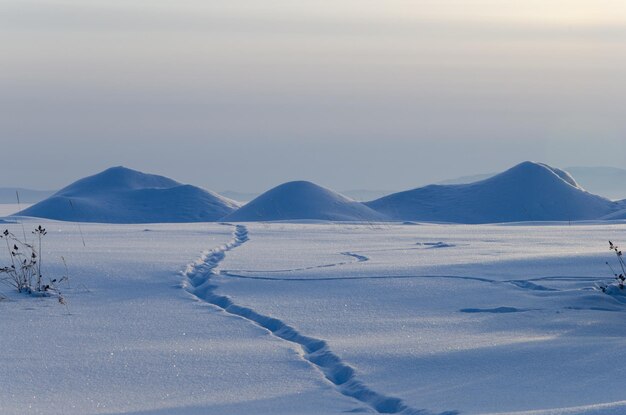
column 198, row 282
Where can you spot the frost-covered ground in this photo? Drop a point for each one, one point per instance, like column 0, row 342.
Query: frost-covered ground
column 320, row 319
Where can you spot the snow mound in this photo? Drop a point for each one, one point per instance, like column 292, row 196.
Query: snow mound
column 527, row 192
column 301, row 200
column 117, row 179
column 122, row 195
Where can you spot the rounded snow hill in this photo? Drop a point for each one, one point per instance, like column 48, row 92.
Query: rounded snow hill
column 301, row 200
column 527, row 192
column 122, row 195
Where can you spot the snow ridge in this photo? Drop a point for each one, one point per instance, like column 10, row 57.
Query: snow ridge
column 316, row 351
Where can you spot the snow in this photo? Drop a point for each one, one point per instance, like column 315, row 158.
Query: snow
column 121, row 195
column 619, row 215
column 505, row 319
column 603, row 181
column 303, row 200
column 279, row 318
column 565, row 176
column 527, row 192
column 530, row 192
column 135, row 342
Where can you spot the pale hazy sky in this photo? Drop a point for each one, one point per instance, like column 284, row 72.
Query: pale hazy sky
column 246, row 94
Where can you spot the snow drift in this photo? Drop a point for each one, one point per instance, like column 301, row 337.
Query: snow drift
column 301, row 200
column 122, row 195
column 527, row 192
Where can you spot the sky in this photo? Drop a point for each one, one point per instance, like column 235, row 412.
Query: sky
column 352, row 94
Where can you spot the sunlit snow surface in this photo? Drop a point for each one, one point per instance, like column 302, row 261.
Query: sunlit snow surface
column 479, row 319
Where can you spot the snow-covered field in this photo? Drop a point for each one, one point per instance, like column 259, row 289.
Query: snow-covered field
column 318, row 318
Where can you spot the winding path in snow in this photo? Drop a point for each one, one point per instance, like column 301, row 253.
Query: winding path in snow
column 357, row 257
column 528, row 284
column 198, row 282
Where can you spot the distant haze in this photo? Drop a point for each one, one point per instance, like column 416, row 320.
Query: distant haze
column 365, row 94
